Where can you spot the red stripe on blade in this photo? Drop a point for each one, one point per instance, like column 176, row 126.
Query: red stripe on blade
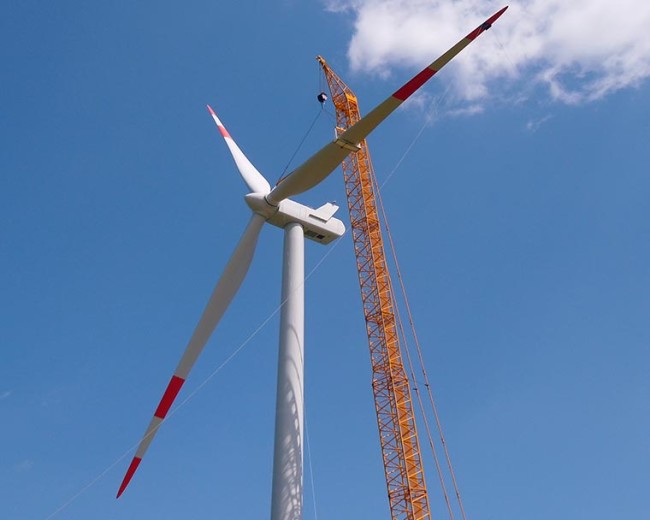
column 403, row 93
column 173, row 388
column 129, row 474
column 221, row 128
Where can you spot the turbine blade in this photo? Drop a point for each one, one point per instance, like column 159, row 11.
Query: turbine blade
column 325, row 161
column 252, row 177
column 223, row 293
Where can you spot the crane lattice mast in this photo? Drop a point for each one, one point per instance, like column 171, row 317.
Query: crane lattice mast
column 407, row 492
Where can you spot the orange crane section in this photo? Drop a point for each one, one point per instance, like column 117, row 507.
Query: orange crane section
column 407, row 492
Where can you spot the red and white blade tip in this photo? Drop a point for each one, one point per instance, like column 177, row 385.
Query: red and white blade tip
column 159, row 415
column 222, row 129
column 129, row 475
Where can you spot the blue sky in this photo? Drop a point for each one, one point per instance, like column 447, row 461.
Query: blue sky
column 520, row 214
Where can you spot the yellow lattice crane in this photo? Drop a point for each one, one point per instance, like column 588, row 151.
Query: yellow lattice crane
column 407, row 492
column 403, row 468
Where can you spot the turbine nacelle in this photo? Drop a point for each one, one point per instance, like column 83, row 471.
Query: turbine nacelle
column 318, row 224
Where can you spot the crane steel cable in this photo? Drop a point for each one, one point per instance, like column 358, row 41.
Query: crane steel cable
column 435, row 104
column 302, row 141
column 421, row 359
column 311, row 468
column 407, row 349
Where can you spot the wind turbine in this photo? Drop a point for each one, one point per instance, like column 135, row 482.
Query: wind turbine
column 298, row 221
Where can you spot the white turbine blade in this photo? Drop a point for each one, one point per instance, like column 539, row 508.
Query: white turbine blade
column 223, row 293
column 325, row 161
column 252, row 177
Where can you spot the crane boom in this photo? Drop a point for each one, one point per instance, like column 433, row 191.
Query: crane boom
column 407, row 491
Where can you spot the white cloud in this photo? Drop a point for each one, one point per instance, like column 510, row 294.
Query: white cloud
column 534, row 124
column 5, row 395
column 577, row 50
